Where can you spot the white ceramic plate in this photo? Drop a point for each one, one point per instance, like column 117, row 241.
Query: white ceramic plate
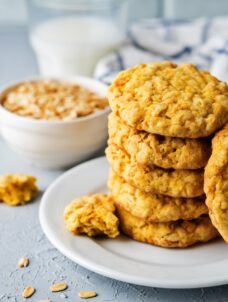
column 122, row 258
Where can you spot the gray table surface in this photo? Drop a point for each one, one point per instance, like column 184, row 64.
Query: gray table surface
column 21, row 235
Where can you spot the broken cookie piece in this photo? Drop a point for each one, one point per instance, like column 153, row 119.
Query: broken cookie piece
column 92, row 215
column 17, row 189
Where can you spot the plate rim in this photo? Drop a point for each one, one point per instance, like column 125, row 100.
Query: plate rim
column 100, row 269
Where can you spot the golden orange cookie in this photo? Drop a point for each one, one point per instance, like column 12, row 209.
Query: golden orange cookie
column 171, row 234
column 17, row 189
column 154, row 208
column 92, row 215
column 216, row 183
column 175, row 183
column 170, row 100
column 165, row 152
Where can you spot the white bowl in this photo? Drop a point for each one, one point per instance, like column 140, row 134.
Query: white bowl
column 56, row 144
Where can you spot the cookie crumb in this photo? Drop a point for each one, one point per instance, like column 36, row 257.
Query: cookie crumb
column 17, row 189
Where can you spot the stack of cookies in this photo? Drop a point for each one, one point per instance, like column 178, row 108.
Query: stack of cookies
column 159, row 143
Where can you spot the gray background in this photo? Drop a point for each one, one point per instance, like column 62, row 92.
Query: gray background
column 21, row 235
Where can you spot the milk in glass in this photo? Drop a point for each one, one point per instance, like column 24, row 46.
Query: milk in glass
column 73, row 45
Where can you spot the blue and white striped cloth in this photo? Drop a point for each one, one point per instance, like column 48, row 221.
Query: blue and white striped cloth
column 203, row 42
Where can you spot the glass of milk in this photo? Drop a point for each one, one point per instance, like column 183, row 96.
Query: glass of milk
column 70, row 36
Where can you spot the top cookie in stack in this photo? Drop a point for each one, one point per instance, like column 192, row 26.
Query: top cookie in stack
column 170, row 100
column 158, row 146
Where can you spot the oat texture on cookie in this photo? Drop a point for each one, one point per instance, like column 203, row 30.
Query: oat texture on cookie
column 175, row 183
column 92, row 215
column 165, row 152
column 160, row 129
column 17, row 189
column 216, row 183
column 154, row 207
column 171, row 234
column 170, row 100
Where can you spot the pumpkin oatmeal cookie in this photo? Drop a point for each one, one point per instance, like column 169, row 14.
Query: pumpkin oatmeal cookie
column 165, row 152
column 170, row 100
column 92, row 215
column 171, row 234
column 175, row 183
column 17, row 189
column 152, row 207
column 216, row 183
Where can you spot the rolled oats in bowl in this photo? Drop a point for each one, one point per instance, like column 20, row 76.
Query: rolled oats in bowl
column 52, row 100
column 55, row 123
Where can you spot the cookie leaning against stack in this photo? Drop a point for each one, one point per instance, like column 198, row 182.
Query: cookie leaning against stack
column 159, row 144
column 216, row 183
